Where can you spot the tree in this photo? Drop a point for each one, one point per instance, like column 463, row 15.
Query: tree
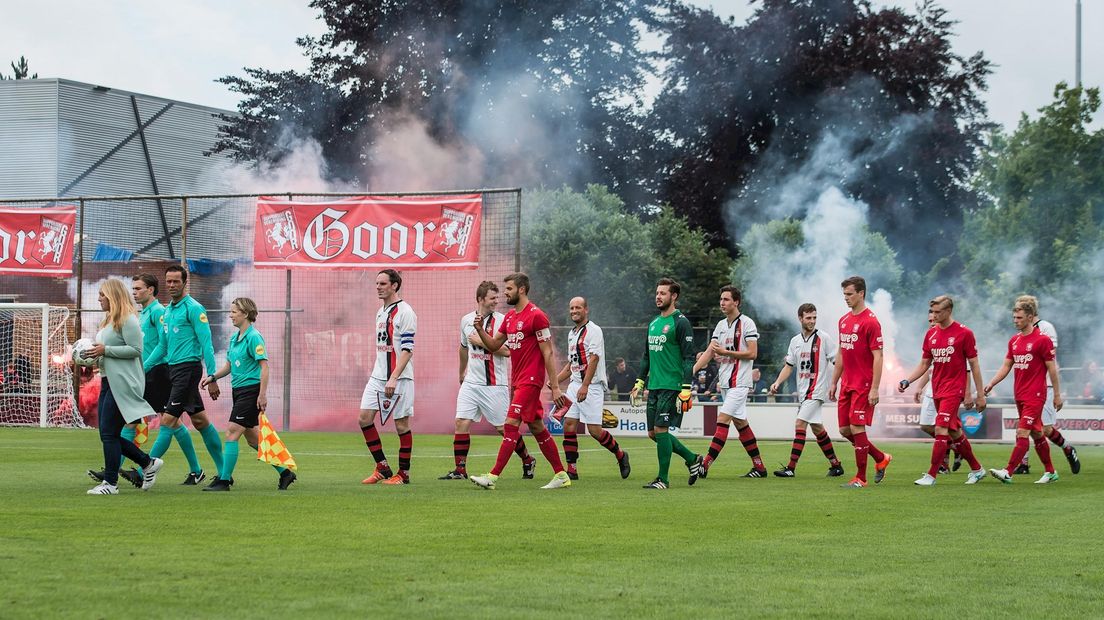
column 20, row 71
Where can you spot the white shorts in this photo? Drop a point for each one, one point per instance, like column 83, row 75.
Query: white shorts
column 590, row 410
column 373, row 397
column 927, row 411
column 1050, row 414
column 735, row 403
column 809, row 411
column 475, row 402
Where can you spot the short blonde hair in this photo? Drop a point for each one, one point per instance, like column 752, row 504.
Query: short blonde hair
column 248, row 306
column 1026, row 304
column 940, row 301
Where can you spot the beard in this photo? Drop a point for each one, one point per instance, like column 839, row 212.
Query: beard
column 512, row 300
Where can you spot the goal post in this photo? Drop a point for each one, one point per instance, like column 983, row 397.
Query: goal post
column 37, row 385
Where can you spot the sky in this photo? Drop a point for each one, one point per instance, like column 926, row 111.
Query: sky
column 177, row 49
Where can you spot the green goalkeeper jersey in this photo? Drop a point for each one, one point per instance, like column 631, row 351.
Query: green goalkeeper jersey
column 669, row 360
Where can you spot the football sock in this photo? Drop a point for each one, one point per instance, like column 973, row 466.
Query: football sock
column 127, row 434
column 797, row 447
column 678, row 448
column 461, row 443
column 938, row 453
column 510, row 434
column 1026, row 460
column 548, row 448
column 825, row 443
column 184, row 439
column 213, row 442
column 720, row 436
column 372, row 440
column 521, row 450
column 571, row 448
column 609, row 443
column 875, row 453
column 663, row 451
column 1054, row 436
column 747, row 437
column 162, row 443
column 1018, row 453
column 406, row 446
column 1042, row 448
column 962, row 447
column 229, row 459
column 862, row 452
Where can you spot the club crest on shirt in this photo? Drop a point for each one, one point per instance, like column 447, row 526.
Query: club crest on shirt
column 950, row 340
column 1029, row 346
column 666, row 328
column 855, row 327
column 520, row 325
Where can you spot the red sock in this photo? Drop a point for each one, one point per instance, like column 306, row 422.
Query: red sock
column 825, row 443
column 372, row 440
column 747, row 437
column 862, row 450
column 548, row 448
column 966, row 451
column 798, row 446
column 406, row 445
column 609, row 443
column 720, row 436
column 1042, row 448
column 939, row 452
column 1057, row 437
column 571, row 448
column 875, row 453
column 510, row 434
column 461, row 443
column 1018, row 453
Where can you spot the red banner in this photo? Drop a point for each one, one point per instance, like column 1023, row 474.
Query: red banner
column 369, row 232
column 37, row 242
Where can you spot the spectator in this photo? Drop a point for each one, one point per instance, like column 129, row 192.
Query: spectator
column 1091, row 381
column 759, row 386
column 704, row 384
column 621, row 380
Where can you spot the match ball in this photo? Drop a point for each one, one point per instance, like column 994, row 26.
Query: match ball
column 79, row 348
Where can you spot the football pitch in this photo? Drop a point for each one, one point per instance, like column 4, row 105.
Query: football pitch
column 331, row 547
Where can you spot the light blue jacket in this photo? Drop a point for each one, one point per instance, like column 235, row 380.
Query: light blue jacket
column 122, row 365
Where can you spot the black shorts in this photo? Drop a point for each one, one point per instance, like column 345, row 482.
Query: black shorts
column 245, row 412
column 184, row 391
column 157, row 387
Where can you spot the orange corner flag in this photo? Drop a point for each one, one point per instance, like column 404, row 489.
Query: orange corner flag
column 141, row 433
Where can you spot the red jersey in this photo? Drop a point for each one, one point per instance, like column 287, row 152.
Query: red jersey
column 524, row 330
column 1029, row 355
column 860, row 335
column 948, row 349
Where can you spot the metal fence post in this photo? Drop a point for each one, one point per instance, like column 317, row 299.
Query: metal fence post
column 184, row 232
column 80, row 286
column 287, row 346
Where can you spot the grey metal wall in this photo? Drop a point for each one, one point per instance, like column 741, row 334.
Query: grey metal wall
column 28, row 138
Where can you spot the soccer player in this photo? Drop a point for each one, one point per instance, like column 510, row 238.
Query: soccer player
column 924, row 398
column 526, row 332
column 1050, row 414
column 586, row 366
column 859, row 365
column 811, row 352
column 484, row 392
column 1031, row 355
column 391, row 386
column 247, row 365
column 666, row 368
column 949, row 347
column 185, row 340
column 734, row 344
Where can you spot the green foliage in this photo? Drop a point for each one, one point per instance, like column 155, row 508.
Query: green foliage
column 20, row 71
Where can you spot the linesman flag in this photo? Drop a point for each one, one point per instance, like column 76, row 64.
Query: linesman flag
column 141, row 433
column 271, row 449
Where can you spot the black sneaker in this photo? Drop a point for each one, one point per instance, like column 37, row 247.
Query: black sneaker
column 528, row 469
column 286, row 478
column 1071, row 456
column 623, row 464
column 696, row 471
column 574, row 475
column 957, row 462
column 96, row 474
column 1022, row 468
column 756, row 473
column 218, row 485
column 835, row 471
column 132, row 476
column 944, row 470
column 454, row 475
column 785, row 472
column 656, row 484
column 194, row 479
column 217, row 480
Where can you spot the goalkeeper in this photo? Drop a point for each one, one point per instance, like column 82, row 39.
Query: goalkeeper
column 665, row 367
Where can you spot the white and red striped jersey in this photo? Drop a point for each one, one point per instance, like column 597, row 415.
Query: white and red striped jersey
column 583, row 341
column 484, row 367
column 813, row 358
column 395, row 327
column 734, row 336
column 1048, row 330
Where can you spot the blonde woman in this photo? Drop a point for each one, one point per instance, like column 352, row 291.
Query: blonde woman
column 247, row 365
column 119, row 347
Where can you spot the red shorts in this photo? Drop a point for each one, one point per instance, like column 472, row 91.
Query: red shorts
column 853, row 408
column 1031, row 414
column 946, row 412
column 525, row 404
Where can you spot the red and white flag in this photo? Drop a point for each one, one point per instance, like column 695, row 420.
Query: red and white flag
column 37, row 241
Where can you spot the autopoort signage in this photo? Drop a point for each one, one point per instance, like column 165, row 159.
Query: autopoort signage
column 37, row 242
column 369, row 232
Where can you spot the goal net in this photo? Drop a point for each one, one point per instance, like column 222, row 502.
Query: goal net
column 36, row 380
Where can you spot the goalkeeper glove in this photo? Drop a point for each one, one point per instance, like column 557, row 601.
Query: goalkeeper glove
column 639, row 385
column 685, row 399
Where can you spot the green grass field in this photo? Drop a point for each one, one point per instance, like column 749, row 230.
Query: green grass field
column 602, row 548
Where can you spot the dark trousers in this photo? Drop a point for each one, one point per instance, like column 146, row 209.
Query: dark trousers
column 111, row 427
